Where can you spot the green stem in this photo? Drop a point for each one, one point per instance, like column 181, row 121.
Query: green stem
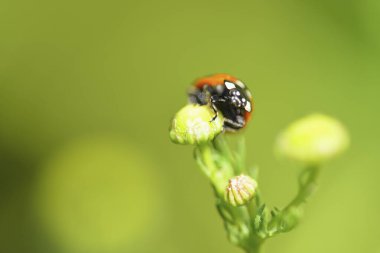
column 289, row 217
column 252, row 209
column 222, row 147
column 217, row 174
column 307, row 186
column 241, row 155
column 206, row 153
column 236, row 220
column 254, row 248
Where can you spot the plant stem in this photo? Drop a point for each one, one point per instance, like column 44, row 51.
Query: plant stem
column 241, row 155
column 307, row 188
column 217, row 174
column 252, row 209
column 219, row 163
column 206, row 153
column 254, row 249
column 221, row 145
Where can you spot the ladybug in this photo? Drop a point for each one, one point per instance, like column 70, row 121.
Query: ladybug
column 226, row 94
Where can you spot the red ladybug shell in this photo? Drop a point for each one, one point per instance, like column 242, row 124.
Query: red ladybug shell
column 214, row 80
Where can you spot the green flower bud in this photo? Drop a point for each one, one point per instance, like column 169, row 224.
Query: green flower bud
column 240, row 190
column 194, row 124
column 313, row 139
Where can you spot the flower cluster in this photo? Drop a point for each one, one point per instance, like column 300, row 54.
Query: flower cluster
column 248, row 221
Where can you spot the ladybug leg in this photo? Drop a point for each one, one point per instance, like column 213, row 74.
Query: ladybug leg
column 215, row 111
column 213, row 100
column 234, row 125
column 216, row 99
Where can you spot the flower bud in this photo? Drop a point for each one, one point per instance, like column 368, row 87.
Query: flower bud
column 195, row 124
column 240, row 190
column 313, row 139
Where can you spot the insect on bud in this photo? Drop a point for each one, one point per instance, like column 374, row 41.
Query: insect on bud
column 240, row 190
column 195, row 124
column 313, row 139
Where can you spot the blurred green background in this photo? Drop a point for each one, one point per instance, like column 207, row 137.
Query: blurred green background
column 87, row 91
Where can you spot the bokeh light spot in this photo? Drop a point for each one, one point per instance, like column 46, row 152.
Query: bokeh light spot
column 98, row 195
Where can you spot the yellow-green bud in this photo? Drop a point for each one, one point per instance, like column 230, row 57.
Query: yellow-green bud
column 240, row 190
column 195, row 124
column 313, row 139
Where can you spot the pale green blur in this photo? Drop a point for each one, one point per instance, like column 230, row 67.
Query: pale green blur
column 313, row 140
column 98, row 195
column 88, row 90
